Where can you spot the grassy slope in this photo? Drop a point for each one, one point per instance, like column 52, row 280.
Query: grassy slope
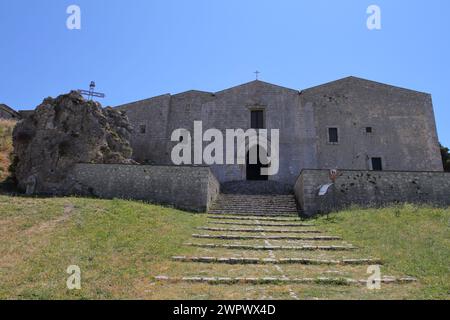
column 411, row 239
column 120, row 244
column 6, row 128
column 117, row 244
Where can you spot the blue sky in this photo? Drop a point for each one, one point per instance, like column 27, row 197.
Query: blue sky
column 136, row 49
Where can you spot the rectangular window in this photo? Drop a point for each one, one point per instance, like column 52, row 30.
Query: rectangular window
column 142, row 128
column 333, row 135
column 377, row 164
column 368, row 129
column 257, row 119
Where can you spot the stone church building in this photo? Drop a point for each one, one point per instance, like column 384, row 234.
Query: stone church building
column 351, row 124
column 347, row 142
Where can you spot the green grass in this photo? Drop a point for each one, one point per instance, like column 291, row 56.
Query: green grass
column 116, row 243
column 119, row 245
column 414, row 240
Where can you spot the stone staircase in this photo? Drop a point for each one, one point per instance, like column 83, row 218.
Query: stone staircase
column 257, row 205
column 260, row 260
column 257, row 198
column 257, row 243
column 256, row 187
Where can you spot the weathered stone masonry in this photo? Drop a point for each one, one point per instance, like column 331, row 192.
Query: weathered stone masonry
column 189, row 188
column 401, row 124
column 370, row 188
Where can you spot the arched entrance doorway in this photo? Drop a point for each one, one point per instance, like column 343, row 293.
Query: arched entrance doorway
column 253, row 171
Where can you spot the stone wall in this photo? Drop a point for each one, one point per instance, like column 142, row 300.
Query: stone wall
column 188, row 188
column 149, row 120
column 213, row 190
column 401, row 121
column 370, row 188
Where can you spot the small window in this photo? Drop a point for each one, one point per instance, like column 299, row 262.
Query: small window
column 368, row 129
column 181, row 138
column 333, row 135
column 142, row 128
column 257, row 119
column 377, row 164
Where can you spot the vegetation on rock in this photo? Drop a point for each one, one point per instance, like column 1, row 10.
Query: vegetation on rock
column 6, row 148
column 445, row 153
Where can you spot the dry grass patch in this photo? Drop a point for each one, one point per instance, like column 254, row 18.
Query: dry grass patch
column 6, row 148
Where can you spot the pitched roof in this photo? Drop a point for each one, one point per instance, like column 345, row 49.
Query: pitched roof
column 11, row 111
column 257, row 83
column 263, row 85
column 361, row 81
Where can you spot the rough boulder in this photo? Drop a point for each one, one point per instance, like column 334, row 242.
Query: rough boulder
column 62, row 132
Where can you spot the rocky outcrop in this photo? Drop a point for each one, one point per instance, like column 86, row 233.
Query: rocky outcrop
column 62, row 132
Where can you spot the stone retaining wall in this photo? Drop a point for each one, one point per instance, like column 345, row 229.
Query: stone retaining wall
column 189, row 188
column 370, row 188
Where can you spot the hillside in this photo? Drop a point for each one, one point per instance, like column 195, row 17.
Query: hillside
column 121, row 245
column 6, row 128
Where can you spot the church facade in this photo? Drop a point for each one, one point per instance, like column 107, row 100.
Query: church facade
column 348, row 124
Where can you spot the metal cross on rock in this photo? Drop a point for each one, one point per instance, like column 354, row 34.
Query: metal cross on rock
column 91, row 93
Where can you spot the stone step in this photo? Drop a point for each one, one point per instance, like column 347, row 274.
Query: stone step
column 257, row 196
column 265, row 200
column 259, row 201
column 268, row 197
column 257, row 230
column 239, row 237
column 250, row 212
column 255, row 205
column 244, row 201
column 256, row 247
column 283, row 280
column 250, row 208
column 247, row 260
column 248, row 204
column 283, row 218
column 254, row 201
column 254, row 208
column 255, row 213
column 256, row 188
column 265, row 224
